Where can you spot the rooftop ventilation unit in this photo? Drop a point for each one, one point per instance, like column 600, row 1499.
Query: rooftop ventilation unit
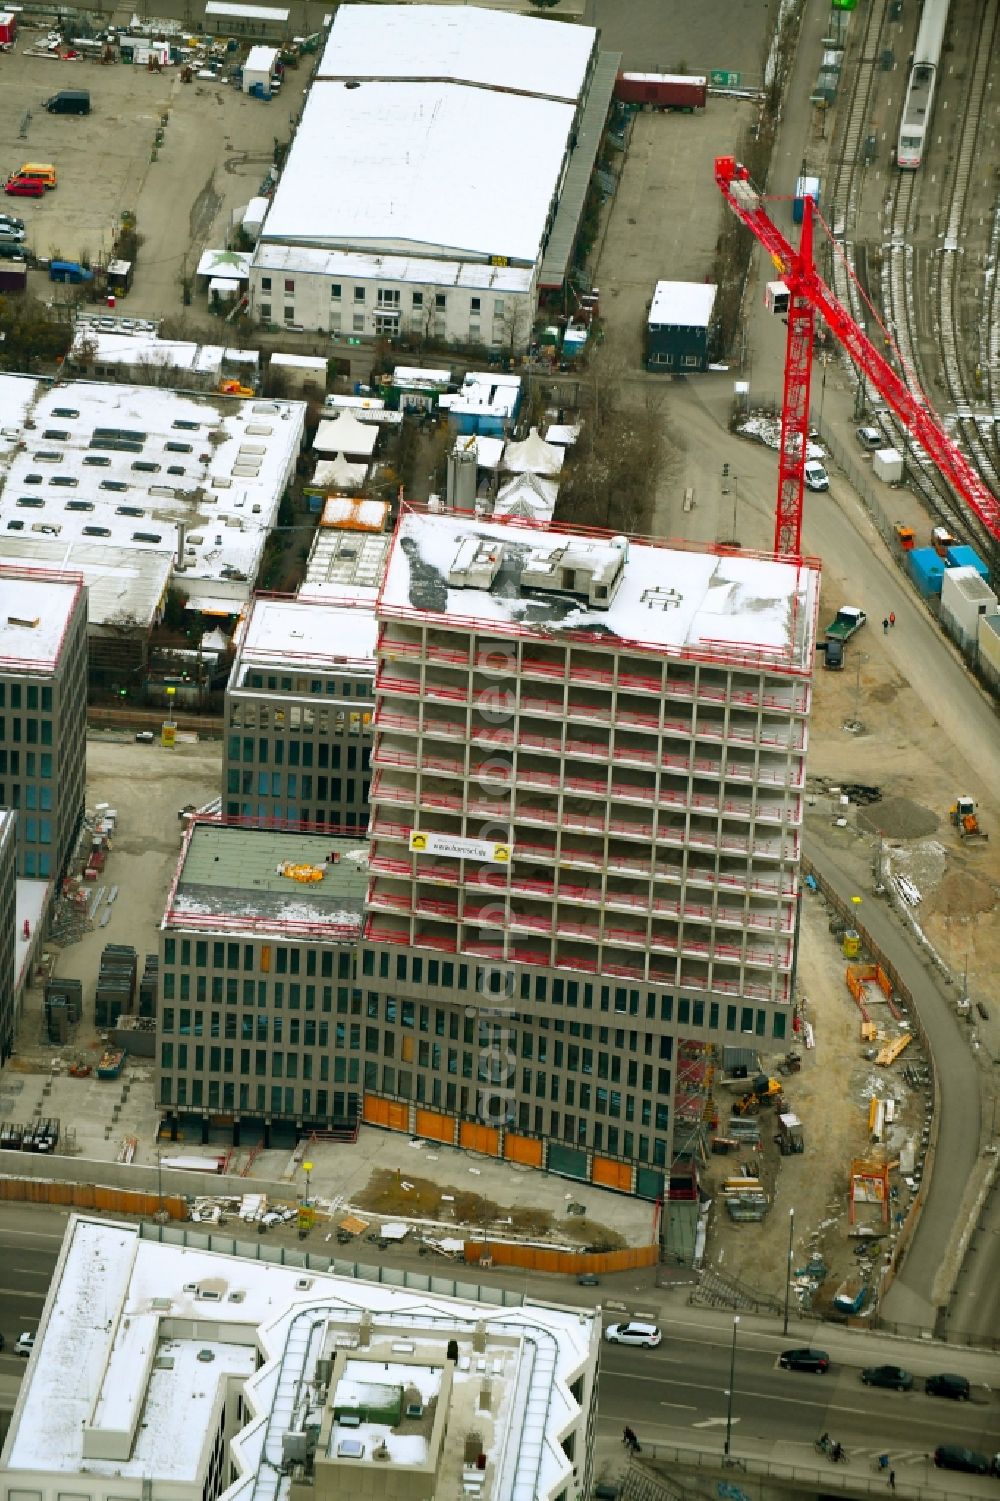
column 589, row 570
column 476, row 563
column 350, row 1448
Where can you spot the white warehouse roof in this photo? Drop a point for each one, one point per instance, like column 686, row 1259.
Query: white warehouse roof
column 411, row 167
column 468, row 44
column 683, row 304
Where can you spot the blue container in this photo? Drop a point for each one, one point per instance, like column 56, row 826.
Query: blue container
column 926, row 569
column 967, row 557
column 805, row 187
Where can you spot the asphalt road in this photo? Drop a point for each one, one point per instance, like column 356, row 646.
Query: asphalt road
column 677, row 1394
column 29, row 1247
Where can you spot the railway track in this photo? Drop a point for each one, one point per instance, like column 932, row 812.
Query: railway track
column 900, row 265
column 971, row 425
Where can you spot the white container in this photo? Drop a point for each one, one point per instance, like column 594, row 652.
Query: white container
column 887, row 465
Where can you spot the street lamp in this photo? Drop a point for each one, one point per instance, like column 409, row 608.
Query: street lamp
column 788, row 1270
column 307, row 1168
column 732, row 1379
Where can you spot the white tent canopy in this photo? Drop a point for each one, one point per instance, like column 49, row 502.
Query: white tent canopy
column 345, row 434
column 527, row 497
column 533, row 456
column 339, row 474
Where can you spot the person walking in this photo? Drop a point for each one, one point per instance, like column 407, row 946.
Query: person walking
column 885, row 626
column 892, row 618
column 892, row 1480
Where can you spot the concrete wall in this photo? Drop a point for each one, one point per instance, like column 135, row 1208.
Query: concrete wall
column 86, row 1172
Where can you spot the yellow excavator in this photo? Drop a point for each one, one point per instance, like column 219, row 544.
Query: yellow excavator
column 764, row 1091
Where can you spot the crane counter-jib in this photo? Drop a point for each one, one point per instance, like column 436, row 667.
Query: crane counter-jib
column 912, row 409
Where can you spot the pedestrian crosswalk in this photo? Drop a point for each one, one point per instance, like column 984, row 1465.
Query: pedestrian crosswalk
column 897, row 1457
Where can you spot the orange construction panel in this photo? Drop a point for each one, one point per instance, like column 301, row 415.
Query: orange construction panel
column 476, row 1137
column 612, row 1174
column 389, row 1113
column 436, row 1127
column 522, row 1149
column 376, row 1111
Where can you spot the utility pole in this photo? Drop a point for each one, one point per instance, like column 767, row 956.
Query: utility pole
column 788, row 1269
column 732, row 1382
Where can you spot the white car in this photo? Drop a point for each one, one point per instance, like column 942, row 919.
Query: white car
column 815, row 476
column 633, row 1333
column 25, row 1344
column 870, row 437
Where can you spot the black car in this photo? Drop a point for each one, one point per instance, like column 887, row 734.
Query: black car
column 946, row 1385
column 805, row 1360
column 891, row 1376
column 954, row 1457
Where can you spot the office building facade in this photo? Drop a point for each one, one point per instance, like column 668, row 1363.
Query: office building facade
column 299, row 711
column 43, row 713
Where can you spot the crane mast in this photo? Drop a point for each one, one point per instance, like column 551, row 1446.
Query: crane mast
column 809, row 295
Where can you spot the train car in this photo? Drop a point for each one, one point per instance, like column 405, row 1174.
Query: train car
column 681, row 91
column 919, row 103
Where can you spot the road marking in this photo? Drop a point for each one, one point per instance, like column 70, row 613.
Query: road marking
column 6, row 1230
column 715, row 1422
column 21, row 1292
column 681, row 1407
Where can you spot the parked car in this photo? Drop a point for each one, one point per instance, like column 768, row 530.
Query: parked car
column 12, row 220
column 833, row 656
column 25, row 187
column 869, row 437
column 25, row 1344
column 948, row 1385
column 815, row 476
column 633, row 1333
column 955, row 1457
column 11, row 250
column 891, row 1376
column 587, row 1279
column 817, row 1361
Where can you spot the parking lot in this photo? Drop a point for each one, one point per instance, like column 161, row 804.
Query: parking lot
column 217, row 145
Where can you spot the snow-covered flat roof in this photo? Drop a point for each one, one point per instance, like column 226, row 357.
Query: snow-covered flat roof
column 468, row 44
column 421, row 165
column 660, row 598
column 35, row 613
column 123, row 467
column 241, row 879
column 146, row 349
column 683, row 304
column 30, row 900
column 122, row 582
column 297, row 635
column 473, row 276
column 140, row 1340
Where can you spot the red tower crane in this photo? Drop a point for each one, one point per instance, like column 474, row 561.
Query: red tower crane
column 808, row 295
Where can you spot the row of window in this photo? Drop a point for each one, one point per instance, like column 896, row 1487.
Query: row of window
column 269, row 784
column 261, row 752
column 331, row 686
column 29, row 830
column 230, row 956
column 453, row 976
column 31, row 731
column 35, row 864
column 25, row 696
column 686, row 361
column 36, row 764
column 248, row 715
column 386, row 298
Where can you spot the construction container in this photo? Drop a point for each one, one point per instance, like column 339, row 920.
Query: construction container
column 851, row 944
column 805, row 187
column 887, row 465
column 967, row 557
column 679, row 91
column 926, row 569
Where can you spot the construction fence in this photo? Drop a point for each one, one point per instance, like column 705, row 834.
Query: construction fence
column 550, row 1259
column 90, row 1196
